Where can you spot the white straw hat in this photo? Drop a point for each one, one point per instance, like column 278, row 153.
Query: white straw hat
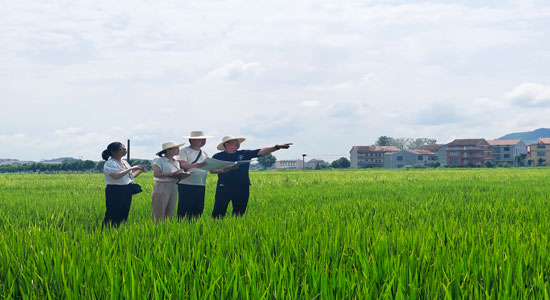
column 228, row 138
column 169, row 145
column 197, row 135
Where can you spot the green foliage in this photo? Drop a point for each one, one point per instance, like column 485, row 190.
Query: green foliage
column 267, row 161
column 73, row 165
column 340, row 234
column 384, row 141
column 341, row 163
column 404, row 143
column 490, row 164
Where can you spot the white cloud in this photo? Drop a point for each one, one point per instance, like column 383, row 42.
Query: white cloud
column 361, row 82
column 236, row 70
column 309, row 103
column 92, row 72
column 530, row 95
column 15, row 139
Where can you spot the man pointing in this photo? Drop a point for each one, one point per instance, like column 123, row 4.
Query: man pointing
column 234, row 182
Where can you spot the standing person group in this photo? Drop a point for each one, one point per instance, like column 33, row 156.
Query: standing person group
column 178, row 176
column 119, row 176
column 234, row 182
column 191, row 190
column 167, row 173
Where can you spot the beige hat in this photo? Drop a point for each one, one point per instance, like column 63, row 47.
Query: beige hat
column 169, row 145
column 228, row 138
column 197, row 135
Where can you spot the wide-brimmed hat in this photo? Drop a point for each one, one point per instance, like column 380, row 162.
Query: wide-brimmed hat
column 229, row 138
column 169, row 145
column 197, row 135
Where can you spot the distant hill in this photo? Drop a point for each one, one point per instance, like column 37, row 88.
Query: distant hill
column 57, row 160
column 10, row 161
column 528, row 137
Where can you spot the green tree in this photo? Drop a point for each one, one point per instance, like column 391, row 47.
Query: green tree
column 385, row 141
column 418, row 142
column 88, row 165
column 341, row 163
column 267, row 160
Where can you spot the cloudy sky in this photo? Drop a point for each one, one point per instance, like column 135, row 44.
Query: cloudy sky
column 325, row 75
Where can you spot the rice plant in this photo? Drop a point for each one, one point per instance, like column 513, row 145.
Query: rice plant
column 365, row 234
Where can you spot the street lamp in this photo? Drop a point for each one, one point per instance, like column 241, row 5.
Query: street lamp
column 304, row 161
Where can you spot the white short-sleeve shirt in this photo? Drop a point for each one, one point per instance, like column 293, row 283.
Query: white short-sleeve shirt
column 112, row 166
column 198, row 176
column 166, row 166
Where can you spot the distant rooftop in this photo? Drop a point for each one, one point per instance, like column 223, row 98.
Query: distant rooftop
column 375, row 148
column 467, row 142
column 503, row 142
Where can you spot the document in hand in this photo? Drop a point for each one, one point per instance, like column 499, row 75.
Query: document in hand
column 212, row 164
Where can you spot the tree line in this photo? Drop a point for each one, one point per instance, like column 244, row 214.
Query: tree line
column 75, row 165
column 404, row 143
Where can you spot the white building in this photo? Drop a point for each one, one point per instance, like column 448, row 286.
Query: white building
column 289, row 164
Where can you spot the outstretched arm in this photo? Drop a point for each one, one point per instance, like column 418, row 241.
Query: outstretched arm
column 268, row 150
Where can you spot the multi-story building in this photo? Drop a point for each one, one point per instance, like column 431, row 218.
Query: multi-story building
column 369, row 156
column 540, row 152
column 507, row 151
column 289, row 164
column 439, row 149
column 403, row 158
column 468, row 153
column 316, row 163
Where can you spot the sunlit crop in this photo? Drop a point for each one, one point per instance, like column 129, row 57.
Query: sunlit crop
column 417, row 234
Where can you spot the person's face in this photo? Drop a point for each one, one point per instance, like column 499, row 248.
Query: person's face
column 171, row 152
column 120, row 152
column 197, row 142
column 232, row 145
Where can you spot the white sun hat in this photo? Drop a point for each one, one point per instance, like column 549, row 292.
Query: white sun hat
column 197, row 135
column 227, row 139
column 169, row 145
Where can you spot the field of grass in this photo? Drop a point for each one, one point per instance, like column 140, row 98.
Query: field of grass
column 417, row 234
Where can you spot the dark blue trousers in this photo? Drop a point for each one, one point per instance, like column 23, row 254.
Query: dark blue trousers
column 190, row 200
column 237, row 194
column 118, row 199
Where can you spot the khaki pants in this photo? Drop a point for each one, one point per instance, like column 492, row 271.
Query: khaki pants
column 165, row 196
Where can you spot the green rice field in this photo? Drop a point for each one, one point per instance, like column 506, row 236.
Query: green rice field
column 357, row 234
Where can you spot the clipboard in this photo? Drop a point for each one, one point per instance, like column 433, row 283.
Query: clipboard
column 213, row 164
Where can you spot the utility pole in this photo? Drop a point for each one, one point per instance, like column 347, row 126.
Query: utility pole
column 128, row 149
column 303, row 161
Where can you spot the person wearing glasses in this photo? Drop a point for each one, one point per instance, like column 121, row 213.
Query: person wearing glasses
column 118, row 177
column 167, row 172
column 234, row 182
column 191, row 190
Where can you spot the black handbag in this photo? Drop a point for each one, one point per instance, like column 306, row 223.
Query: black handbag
column 135, row 188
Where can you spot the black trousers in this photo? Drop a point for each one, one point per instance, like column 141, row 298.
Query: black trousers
column 238, row 194
column 190, row 200
column 118, row 199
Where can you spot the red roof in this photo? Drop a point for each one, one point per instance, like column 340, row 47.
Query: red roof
column 431, row 147
column 503, row 142
column 544, row 141
column 375, row 148
column 423, row 152
column 468, row 142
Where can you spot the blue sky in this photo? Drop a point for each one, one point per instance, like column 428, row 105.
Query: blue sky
column 326, row 75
